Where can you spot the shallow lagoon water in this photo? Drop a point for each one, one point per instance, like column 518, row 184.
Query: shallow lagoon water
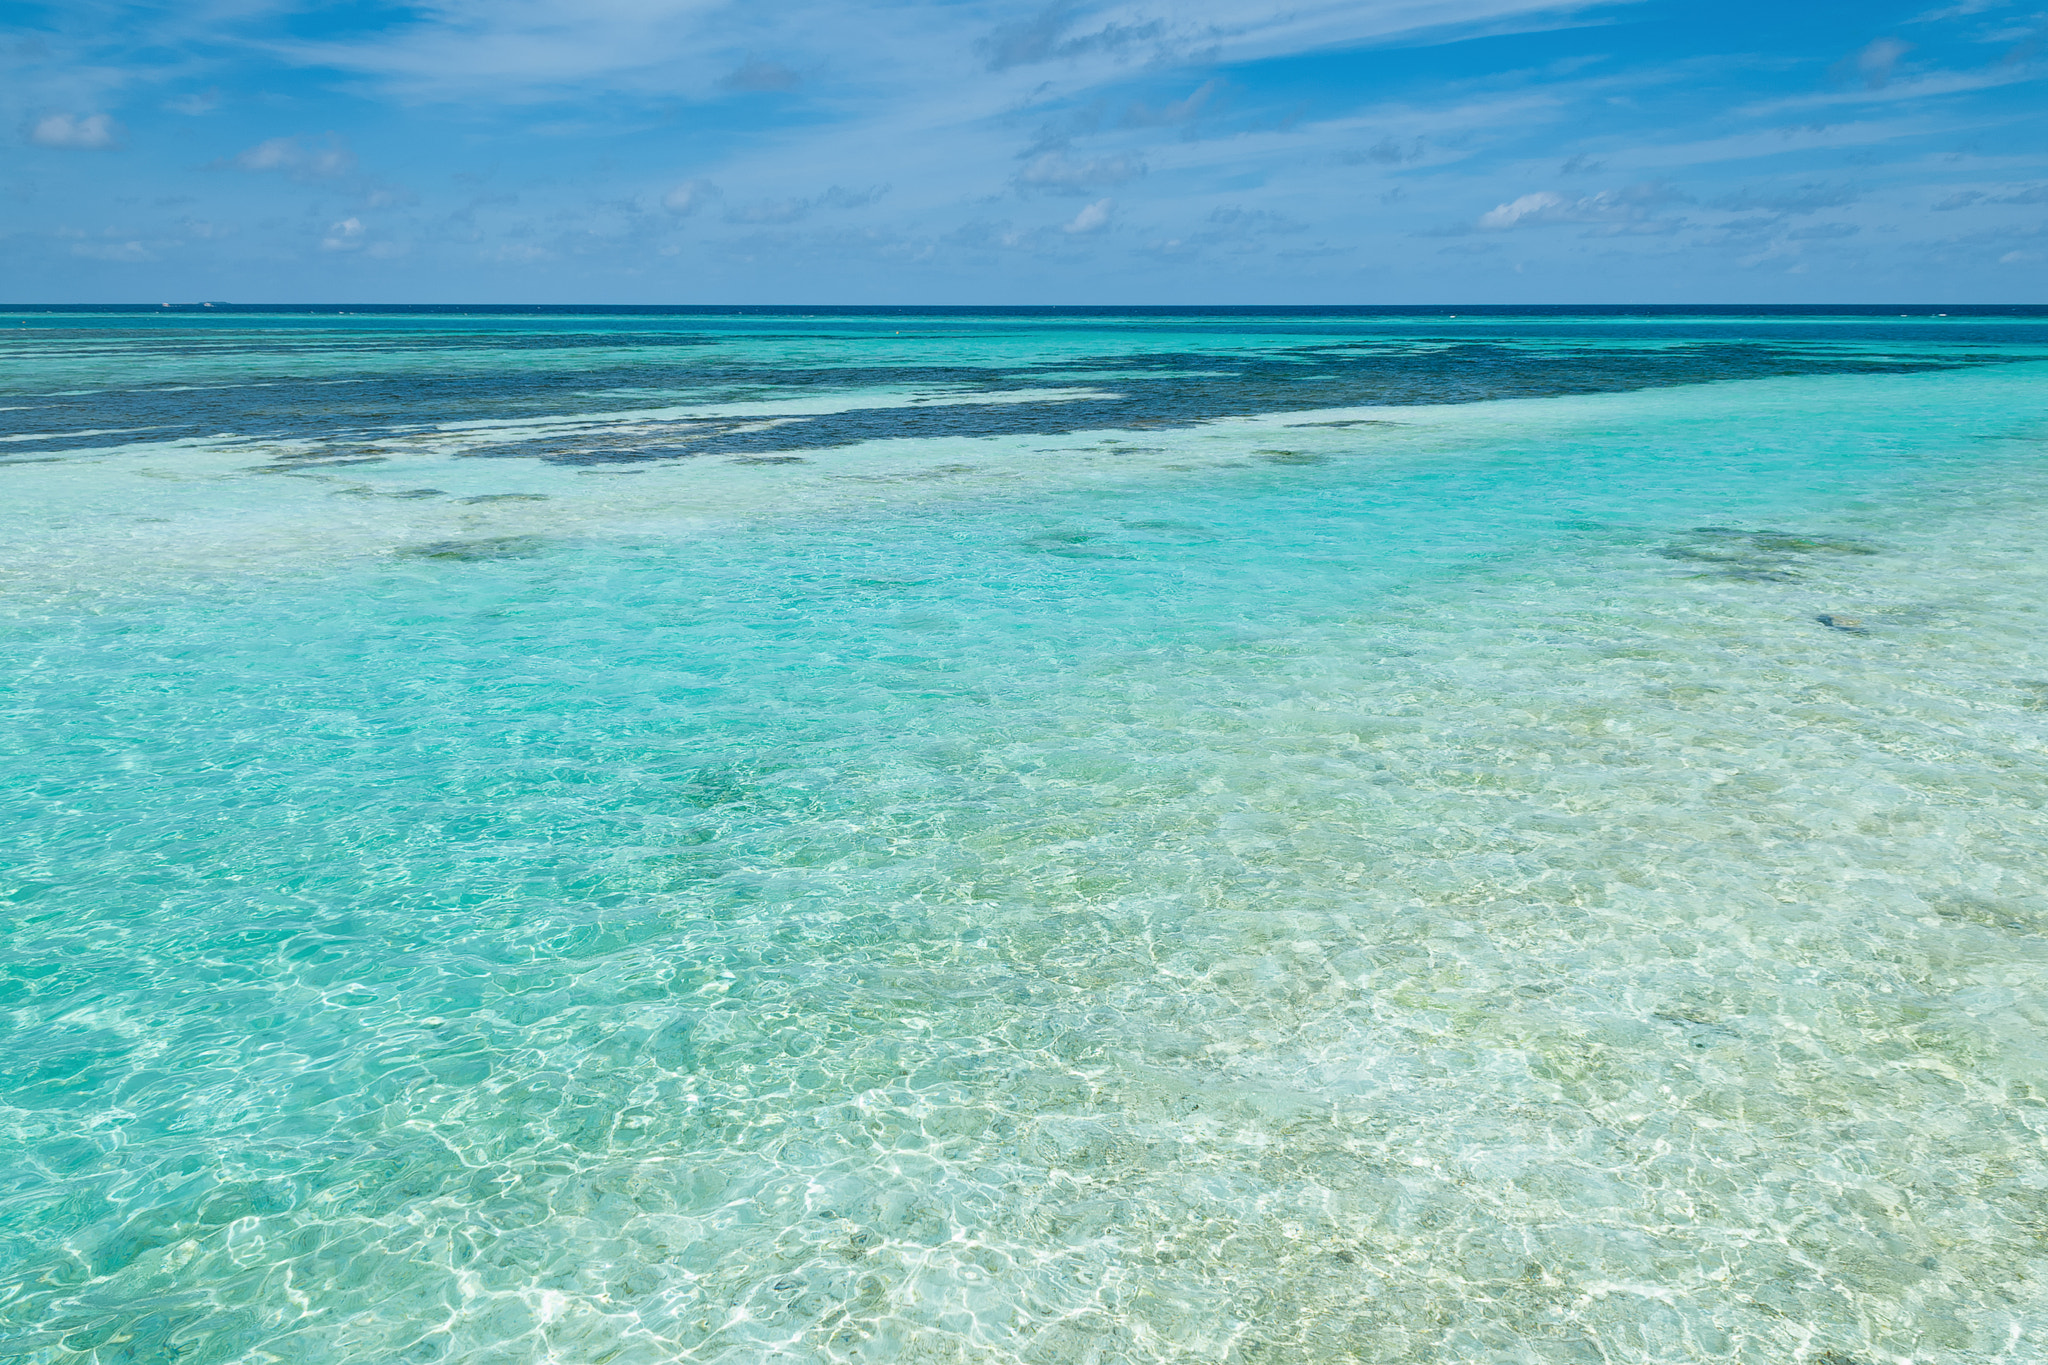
column 1397, row 882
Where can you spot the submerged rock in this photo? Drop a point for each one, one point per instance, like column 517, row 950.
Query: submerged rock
column 1806, row 545
column 1070, row 544
column 288, row 465
column 1786, row 542
column 483, row 547
column 1757, row 556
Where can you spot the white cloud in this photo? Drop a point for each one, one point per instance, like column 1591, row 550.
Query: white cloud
column 1629, row 207
column 1094, row 218
column 90, row 132
column 686, row 198
column 275, row 155
column 1539, row 207
column 902, row 93
column 294, row 158
column 346, row 235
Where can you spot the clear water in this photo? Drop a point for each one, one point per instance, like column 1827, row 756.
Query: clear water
column 1266, row 839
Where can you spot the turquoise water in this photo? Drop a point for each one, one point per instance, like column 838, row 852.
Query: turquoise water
column 1234, row 839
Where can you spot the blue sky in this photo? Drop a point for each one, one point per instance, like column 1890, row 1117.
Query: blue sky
column 679, row 151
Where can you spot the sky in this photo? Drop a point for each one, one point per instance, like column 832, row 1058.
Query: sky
column 988, row 152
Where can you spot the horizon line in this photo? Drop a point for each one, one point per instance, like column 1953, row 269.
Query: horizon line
column 309, row 305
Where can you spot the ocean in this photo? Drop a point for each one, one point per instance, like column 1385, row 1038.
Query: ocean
column 1057, row 836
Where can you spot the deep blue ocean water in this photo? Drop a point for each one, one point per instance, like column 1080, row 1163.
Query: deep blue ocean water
column 1039, row 836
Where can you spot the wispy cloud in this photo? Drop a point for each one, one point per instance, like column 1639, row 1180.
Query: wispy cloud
column 1876, row 61
column 2024, row 194
column 1174, row 112
column 689, row 196
column 1093, row 137
column 1634, row 206
column 756, row 75
column 1778, row 200
column 290, row 156
column 1387, row 152
column 794, row 210
column 1062, row 32
column 1932, row 85
column 1059, row 173
column 1093, row 218
column 1964, row 10
column 88, row 132
column 1237, row 219
column 195, row 106
column 509, row 52
column 128, row 252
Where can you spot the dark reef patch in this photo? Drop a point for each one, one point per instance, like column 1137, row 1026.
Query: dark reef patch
column 1757, row 556
column 499, row 376
column 480, row 548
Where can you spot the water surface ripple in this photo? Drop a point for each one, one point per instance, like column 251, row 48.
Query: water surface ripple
column 1550, row 880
